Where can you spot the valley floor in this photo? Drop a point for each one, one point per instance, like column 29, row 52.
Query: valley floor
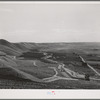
column 56, row 76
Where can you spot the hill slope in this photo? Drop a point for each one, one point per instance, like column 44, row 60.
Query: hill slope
column 14, row 49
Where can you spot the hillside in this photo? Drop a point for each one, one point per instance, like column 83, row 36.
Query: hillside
column 17, row 48
column 50, row 65
column 14, row 49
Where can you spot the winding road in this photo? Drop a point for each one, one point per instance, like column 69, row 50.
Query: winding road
column 34, row 63
column 89, row 66
column 67, row 74
column 55, row 77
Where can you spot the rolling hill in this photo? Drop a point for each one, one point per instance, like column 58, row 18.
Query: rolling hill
column 41, row 60
column 14, row 49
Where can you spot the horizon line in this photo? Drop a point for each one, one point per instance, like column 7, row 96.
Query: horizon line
column 52, row 42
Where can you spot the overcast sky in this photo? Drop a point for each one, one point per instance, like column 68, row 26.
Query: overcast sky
column 50, row 22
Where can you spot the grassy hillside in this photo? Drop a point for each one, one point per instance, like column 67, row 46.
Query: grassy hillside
column 14, row 49
column 25, row 65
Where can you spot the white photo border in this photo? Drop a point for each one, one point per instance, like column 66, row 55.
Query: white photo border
column 47, row 93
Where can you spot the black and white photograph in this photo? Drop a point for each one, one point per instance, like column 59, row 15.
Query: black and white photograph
column 49, row 45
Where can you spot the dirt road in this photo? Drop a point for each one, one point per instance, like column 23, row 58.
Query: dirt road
column 90, row 66
column 55, row 77
column 34, row 63
column 67, row 74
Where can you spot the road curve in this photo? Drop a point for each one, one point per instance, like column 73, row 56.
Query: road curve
column 72, row 75
column 67, row 76
column 55, row 77
column 34, row 63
